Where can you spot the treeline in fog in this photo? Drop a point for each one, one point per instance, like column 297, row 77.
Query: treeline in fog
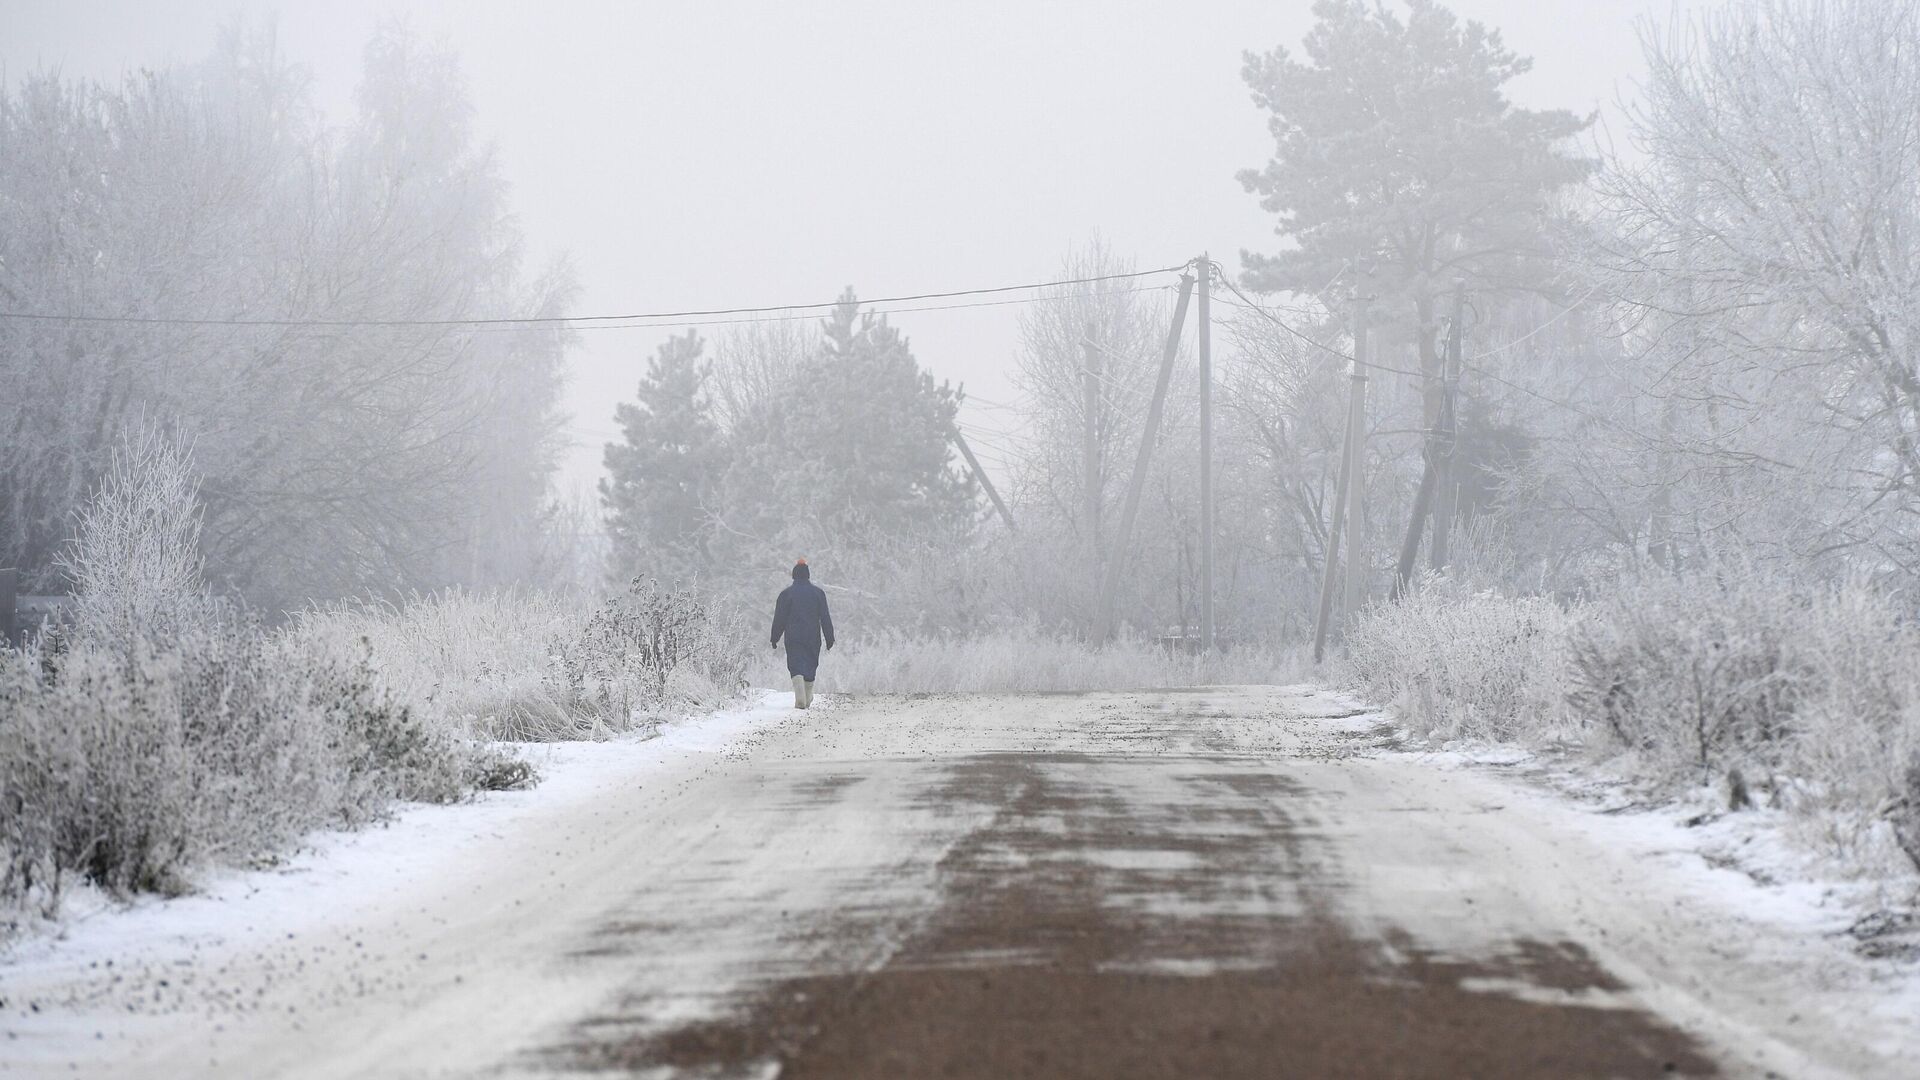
column 254, row 419
column 336, row 460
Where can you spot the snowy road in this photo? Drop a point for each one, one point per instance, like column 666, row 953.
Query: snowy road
column 1223, row 882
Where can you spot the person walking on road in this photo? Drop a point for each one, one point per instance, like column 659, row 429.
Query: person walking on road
column 801, row 614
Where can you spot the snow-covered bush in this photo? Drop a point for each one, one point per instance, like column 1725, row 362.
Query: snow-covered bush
column 538, row 666
column 482, row 663
column 1464, row 662
column 1750, row 679
column 1026, row 658
column 1904, row 813
column 159, row 728
column 128, row 766
column 1698, row 673
column 649, row 647
column 134, row 562
column 1853, row 740
column 1740, row 666
column 1803, row 693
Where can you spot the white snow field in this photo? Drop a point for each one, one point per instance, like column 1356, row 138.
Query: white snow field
column 649, row 886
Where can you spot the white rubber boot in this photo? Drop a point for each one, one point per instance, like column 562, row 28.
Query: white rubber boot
column 799, row 692
column 809, row 703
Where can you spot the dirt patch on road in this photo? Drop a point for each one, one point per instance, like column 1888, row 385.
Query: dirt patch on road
column 1307, row 1019
column 1113, row 923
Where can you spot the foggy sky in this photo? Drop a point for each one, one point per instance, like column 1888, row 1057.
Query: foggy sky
column 708, row 154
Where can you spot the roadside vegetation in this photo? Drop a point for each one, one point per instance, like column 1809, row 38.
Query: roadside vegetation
column 1733, row 678
column 1691, row 485
column 158, row 728
column 1681, row 442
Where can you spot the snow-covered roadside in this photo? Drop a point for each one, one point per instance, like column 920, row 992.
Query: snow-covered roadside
column 1808, row 939
column 338, row 877
column 744, row 844
column 1750, row 857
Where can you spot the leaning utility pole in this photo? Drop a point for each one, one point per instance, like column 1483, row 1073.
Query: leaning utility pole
column 1446, row 486
column 1117, row 562
column 973, row 464
column 1347, row 492
column 1206, row 458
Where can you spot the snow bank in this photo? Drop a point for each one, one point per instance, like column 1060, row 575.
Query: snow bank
column 340, row 874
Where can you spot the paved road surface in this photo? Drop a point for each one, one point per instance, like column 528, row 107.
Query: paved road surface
column 1211, row 883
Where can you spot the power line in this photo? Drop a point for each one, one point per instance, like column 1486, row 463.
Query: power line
column 991, row 440
column 1275, row 319
column 989, row 403
column 1567, row 405
column 1309, row 312
column 1571, row 308
column 1364, row 363
column 569, row 320
column 808, row 315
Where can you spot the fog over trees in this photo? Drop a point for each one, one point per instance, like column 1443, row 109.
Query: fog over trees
column 1687, row 383
column 1699, row 341
column 340, row 456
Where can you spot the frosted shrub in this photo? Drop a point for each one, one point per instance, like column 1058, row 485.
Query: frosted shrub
column 135, row 560
column 1905, row 811
column 1855, row 728
column 539, row 666
column 1802, row 693
column 1699, row 673
column 159, row 728
column 472, row 662
column 1459, row 662
column 126, row 767
column 641, row 646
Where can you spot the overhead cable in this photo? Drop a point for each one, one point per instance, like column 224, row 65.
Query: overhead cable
column 569, row 320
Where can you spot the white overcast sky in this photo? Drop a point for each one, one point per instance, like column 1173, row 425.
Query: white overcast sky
column 705, row 154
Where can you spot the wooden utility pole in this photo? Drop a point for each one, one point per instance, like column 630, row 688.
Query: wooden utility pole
column 9, row 597
column 1117, row 561
column 1357, row 478
column 1660, row 540
column 1206, row 457
column 1416, row 521
column 1437, row 449
column 1447, row 444
column 980, row 474
column 1090, row 445
column 1345, row 493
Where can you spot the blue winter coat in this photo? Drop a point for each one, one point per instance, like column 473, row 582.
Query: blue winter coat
column 801, row 615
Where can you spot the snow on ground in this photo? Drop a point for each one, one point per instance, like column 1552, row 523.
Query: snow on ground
column 461, row 916
column 1738, row 884
column 339, row 873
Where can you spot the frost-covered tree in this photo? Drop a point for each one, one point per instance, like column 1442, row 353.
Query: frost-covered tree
column 663, row 475
column 855, row 453
column 1049, row 484
column 336, row 459
column 754, row 364
column 135, row 556
column 1128, row 332
column 1399, row 159
column 1761, row 261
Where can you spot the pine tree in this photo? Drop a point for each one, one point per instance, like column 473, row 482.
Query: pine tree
column 857, row 453
column 661, row 480
column 1398, row 157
